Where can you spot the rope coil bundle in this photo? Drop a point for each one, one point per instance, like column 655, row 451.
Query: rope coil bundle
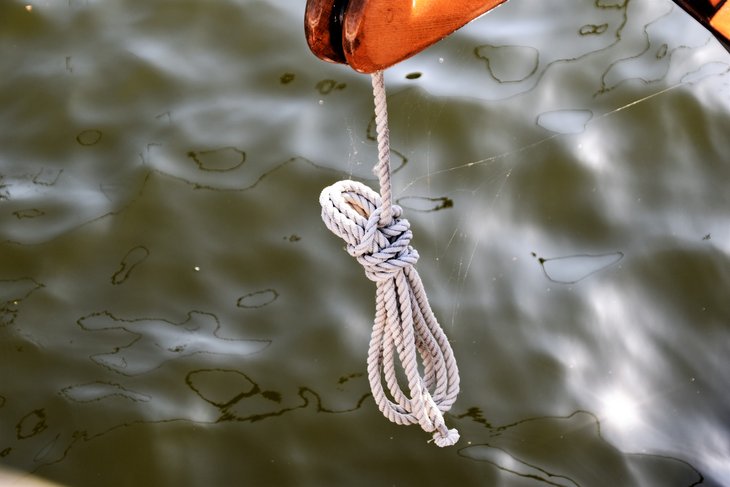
column 404, row 324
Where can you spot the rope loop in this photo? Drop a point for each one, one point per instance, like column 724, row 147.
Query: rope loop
column 352, row 211
column 405, row 329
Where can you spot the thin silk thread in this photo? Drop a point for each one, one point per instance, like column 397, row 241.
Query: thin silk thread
column 405, row 329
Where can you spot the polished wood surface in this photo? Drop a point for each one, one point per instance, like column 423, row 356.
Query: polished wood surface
column 377, row 34
column 371, row 35
column 721, row 23
column 317, row 20
column 713, row 15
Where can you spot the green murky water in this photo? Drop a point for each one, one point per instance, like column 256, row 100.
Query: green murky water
column 174, row 312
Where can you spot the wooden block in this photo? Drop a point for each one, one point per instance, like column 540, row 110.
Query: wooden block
column 376, row 34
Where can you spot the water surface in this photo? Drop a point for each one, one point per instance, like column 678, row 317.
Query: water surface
column 174, row 312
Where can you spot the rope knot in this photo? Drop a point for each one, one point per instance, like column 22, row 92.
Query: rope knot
column 405, row 329
column 353, row 212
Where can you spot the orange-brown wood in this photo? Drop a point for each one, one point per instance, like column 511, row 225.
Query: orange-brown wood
column 317, row 19
column 378, row 34
column 713, row 14
column 375, row 34
column 721, row 21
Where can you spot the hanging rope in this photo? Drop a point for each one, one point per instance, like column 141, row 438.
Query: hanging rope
column 404, row 324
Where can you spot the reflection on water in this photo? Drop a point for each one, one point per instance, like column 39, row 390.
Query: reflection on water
column 173, row 311
column 563, row 451
column 565, row 121
column 573, row 268
column 149, row 343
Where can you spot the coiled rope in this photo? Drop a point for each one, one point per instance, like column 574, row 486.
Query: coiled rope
column 404, row 324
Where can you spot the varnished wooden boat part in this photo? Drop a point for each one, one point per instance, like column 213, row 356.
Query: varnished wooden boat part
column 317, row 24
column 371, row 35
column 721, row 23
column 377, row 34
column 714, row 15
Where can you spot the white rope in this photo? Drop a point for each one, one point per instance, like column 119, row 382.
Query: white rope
column 404, row 326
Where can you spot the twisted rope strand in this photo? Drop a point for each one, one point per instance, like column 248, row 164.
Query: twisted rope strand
column 404, row 328
column 382, row 168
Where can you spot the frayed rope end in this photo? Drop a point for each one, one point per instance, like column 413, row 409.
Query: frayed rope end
column 449, row 439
